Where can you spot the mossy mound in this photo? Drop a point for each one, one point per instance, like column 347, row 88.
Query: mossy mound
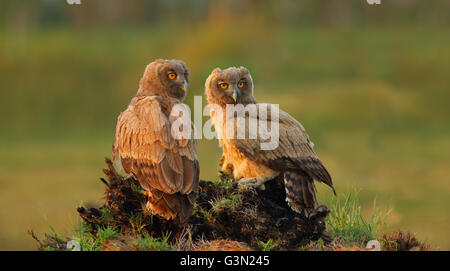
column 226, row 217
column 224, row 213
column 261, row 219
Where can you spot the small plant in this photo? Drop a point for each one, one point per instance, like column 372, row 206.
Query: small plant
column 87, row 240
column 225, row 181
column 347, row 222
column 55, row 234
column 229, row 202
column 147, row 242
column 136, row 221
column 269, row 245
column 90, row 241
column 202, row 212
column 107, row 233
column 51, row 242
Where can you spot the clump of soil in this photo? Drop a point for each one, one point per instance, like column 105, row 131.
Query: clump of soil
column 54, row 242
column 238, row 218
column 404, row 241
column 397, row 241
column 255, row 217
column 124, row 207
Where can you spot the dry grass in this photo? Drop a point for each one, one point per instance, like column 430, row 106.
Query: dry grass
column 220, row 245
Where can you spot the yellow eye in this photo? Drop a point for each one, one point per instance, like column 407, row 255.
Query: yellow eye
column 241, row 84
column 223, row 85
column 172, row 75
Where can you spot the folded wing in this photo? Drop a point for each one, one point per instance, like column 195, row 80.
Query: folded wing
column 167, row 168
column 294, row 151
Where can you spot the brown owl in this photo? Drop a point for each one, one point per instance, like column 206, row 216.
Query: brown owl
column 166, row 167
column 293, row 158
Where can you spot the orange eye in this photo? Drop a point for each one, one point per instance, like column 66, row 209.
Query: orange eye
column 172, row 75
column 223, row 85
column 241, row 84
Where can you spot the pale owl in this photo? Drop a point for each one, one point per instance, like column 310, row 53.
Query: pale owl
column 293, row 159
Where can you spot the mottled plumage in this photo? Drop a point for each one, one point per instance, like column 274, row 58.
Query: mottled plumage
column 166, row 168
column 294, row 159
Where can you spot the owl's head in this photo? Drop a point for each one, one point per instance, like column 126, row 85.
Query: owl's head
column 230, row 86
column 166, row 78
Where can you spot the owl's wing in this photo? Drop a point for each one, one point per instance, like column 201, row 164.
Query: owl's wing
column 146, row 148
column 294, row 151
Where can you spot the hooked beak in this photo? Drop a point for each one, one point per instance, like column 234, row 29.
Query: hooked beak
column 235, row 94
column 185, row 85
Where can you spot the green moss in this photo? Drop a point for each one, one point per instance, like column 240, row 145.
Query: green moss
column 226, row 202
column 146, row 242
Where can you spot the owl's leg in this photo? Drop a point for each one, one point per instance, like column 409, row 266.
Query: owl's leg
column 225, row 165
column 252, row 182
column 222, row 160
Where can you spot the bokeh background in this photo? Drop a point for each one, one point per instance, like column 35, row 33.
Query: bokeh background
column 369, row 82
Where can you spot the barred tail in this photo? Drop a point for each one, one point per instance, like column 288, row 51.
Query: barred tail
column 300, row 191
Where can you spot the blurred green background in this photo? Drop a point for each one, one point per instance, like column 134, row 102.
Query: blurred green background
column 369, row 83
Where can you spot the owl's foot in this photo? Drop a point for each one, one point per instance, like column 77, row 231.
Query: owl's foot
column 251, row 182
column 320, row 213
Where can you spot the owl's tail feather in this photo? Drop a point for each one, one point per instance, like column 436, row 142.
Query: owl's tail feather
column 300, row 191
column 170, row 206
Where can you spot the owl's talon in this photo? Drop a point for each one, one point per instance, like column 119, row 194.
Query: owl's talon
column 251, row 182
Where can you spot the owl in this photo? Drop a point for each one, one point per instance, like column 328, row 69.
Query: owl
column 293, row 159
column 166, row 166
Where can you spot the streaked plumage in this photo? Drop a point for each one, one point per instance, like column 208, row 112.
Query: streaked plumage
column 294, row 159
column 166, row 168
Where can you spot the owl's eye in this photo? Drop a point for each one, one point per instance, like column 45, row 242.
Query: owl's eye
column 223, row 85
column 241, row 84
column 172, row 75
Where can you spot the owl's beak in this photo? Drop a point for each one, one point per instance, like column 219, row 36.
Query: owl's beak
column 235, row 94
column 185, row 85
